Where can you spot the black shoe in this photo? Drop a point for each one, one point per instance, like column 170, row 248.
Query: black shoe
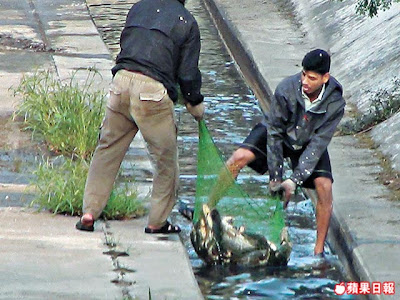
column 83, row 227
column 166, row 229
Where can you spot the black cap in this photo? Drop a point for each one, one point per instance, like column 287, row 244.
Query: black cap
column 318, row 61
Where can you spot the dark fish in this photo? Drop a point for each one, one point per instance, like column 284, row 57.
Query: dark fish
column 217, row 241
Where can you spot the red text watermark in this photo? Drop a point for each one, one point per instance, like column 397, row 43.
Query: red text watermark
column 365, row 288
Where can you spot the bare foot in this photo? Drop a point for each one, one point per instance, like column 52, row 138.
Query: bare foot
column 87, row 219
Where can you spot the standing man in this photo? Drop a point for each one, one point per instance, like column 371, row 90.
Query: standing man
column 160, row 47
column 304, row 113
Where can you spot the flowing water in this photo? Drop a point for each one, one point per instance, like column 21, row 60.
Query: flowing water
column 231, row 112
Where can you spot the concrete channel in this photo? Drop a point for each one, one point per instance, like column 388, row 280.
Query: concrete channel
column 267, row 45
column 44, row 257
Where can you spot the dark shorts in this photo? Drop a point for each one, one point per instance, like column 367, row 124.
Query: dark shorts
column 256, row 142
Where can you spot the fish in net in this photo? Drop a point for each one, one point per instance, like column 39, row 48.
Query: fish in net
column 228, row 225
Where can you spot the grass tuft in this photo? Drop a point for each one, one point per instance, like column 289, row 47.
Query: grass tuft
column 68, row 117
column 384, row 104
column 65, row 115
column 61, row 185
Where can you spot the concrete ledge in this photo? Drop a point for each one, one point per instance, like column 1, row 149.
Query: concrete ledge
column 363, row 229
column 43, row 256
column 160, row 263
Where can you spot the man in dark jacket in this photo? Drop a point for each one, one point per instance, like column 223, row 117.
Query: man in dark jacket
column 160, row 47
column 304, row 113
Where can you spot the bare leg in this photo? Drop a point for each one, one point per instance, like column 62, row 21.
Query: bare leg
column 324, row 211
column 239, row 159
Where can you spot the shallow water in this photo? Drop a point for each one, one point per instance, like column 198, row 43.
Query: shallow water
column 231, row 112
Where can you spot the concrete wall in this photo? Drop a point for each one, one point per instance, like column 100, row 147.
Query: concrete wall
column 365, row 56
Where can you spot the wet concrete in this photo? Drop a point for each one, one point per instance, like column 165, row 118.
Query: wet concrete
column 43, row 256
column 274, row 46
column 366, row 54
column 48, row 256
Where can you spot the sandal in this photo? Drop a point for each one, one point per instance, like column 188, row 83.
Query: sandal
column 166, row 229
column 85, row 227
column 186, row 211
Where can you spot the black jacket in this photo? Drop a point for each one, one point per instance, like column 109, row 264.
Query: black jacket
column 161, row 39
column 311, row 131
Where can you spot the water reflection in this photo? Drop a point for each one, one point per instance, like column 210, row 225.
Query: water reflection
column 231, row 111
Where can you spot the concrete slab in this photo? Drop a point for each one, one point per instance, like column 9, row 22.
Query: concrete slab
column 81, row 44
column 21, row 31
column 366, row 217
column 72, row 27
column 160, row 262
column 364, row 223
column 44, row 257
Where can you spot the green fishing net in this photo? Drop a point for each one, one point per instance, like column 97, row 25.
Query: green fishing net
column 216, row 187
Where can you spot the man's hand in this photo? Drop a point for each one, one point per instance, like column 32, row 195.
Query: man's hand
column 275, row 186
column 290, row 187
column 196, row 111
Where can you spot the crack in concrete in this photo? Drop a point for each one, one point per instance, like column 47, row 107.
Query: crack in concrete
column 118, row 269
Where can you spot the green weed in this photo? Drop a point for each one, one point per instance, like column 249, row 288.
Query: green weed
column 384, row 104
column 66, row 115
column 61, row 185
column 123, row 203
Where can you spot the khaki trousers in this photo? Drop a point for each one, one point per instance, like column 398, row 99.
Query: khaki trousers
column 137, row 102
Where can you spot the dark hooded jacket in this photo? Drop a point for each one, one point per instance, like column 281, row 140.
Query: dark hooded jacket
column 161, row 39
column 307, row 131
